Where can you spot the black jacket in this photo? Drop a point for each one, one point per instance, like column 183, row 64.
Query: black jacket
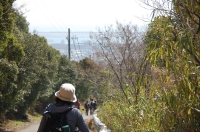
column 74, row 117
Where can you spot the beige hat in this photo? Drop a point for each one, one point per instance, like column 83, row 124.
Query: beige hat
column 66, row 92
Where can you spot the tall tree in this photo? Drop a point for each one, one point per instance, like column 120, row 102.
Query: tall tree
column 11, row 53
column 121, row 50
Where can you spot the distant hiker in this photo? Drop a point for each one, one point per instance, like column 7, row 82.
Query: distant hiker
column 77, row 104
column 64, row 99
column 95, row 105
column 87, row 107
column 92, row 104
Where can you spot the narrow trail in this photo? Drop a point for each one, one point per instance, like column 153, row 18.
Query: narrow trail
column 34, row 126
column 31, row 128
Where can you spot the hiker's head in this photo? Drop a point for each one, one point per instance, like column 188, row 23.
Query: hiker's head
column 66, row 93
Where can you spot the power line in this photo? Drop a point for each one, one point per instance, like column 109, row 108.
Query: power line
column 75, row 48
column 57, row 14
column 55, row 20
column 79, row 46
column 47, row 18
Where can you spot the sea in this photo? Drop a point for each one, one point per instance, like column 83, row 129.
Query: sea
column 79, row 44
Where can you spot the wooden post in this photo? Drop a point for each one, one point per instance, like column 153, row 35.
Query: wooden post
column 69, row 43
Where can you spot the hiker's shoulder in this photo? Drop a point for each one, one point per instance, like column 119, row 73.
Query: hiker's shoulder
column 75, row 110
column 49, row 107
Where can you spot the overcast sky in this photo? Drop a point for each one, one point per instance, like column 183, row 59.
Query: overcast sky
column 80, row 15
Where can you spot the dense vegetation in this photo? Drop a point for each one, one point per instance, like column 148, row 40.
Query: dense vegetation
column 144, row 80
column 31, row 70
column 153, row 85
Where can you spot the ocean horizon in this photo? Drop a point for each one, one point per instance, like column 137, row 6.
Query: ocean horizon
column 79, row 45
column 61, row 37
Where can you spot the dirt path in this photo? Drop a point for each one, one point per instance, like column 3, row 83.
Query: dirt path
column 31, row 128
column 34, row 126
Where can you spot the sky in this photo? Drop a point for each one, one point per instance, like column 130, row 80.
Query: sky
column 80, row 15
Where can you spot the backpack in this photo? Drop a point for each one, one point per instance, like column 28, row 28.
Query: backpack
column 92, row 104
column 56, row 122
column 87, row 105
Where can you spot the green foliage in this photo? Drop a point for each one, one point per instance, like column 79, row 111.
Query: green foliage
column 37, row 70
column 66, row 73
column 188, row 27
column 6, row 23
column 11, row 53
column 21, row 23
column 135, row 97
column 8, row 89
column 161, row 41
column 174, row 41
column 167, row 97
column 14, row 51
column 188, row 12
column 83, row 88
column 118, row 115
column 31, row 70
column 87, row 64
column 104, row 85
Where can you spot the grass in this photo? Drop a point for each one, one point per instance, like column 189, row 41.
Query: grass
column 17, row 124
column 13, row 124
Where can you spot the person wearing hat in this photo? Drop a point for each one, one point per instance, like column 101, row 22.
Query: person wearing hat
column 65, row 99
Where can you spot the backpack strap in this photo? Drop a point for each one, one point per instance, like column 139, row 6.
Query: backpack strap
column 65, row 117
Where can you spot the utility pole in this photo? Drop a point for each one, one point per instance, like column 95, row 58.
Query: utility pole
column 69, row 43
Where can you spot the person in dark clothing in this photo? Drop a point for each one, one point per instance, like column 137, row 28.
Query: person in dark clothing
column 92, row 106
column 65, row 99
column 87, row 107
column 95, row 105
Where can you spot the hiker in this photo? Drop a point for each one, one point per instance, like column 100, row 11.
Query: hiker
column 77, row 104
column 95, row 105
column 86, row 106
column 92, row 103
column 91, row 107
column 64, row 100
